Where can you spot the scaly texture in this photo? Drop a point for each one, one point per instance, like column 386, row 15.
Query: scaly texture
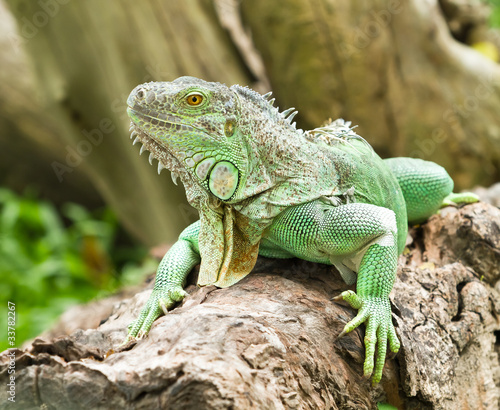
column 263, row 186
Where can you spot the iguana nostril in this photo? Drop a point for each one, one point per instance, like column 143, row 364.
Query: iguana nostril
column 140, row 93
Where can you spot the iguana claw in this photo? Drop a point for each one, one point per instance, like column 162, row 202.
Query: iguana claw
column 160, row 301
column 379, row 330
column 341, row 334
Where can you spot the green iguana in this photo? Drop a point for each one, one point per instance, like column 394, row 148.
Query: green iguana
column 264, row 187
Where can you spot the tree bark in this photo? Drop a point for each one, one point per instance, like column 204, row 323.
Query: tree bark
column 270, row 341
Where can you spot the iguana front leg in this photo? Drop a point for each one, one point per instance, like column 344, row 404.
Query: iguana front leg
column 170, row 279
column 375, row 280
column 358, row 238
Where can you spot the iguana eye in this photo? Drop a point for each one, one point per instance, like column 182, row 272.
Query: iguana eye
column 194, row 99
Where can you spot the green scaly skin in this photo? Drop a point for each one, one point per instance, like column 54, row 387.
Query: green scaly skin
column 264, row 187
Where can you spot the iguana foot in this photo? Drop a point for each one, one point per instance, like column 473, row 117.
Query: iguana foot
column 159, row 302
column 460, row 198
column 376, row 311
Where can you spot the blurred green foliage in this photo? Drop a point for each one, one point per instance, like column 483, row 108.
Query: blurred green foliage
column 495, row 13
column 50, row 260
column 385, row 406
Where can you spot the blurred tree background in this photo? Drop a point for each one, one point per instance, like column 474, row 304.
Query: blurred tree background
column 79, row 207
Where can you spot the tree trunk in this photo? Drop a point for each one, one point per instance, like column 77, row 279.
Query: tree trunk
column 270, row 341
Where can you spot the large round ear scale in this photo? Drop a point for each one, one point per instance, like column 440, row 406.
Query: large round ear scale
column 223, row 180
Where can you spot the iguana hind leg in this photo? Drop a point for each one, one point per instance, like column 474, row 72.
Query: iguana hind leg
column 426, row 187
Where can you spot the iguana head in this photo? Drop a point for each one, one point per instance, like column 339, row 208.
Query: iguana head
column 189, row 125
column 209, row 134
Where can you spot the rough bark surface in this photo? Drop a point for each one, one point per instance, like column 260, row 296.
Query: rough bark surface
column 269, row 342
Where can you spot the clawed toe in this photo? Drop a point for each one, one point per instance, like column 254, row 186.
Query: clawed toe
column 341, row 334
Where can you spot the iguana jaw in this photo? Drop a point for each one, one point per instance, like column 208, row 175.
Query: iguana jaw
column 159, row 152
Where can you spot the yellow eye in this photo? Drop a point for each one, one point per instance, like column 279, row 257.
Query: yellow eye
column 194, row 99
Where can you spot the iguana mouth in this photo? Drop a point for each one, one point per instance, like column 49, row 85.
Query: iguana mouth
column 167, row 121
column 166, row 160
column 154, row 118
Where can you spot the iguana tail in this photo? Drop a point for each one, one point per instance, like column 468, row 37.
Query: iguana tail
column 426, row 187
